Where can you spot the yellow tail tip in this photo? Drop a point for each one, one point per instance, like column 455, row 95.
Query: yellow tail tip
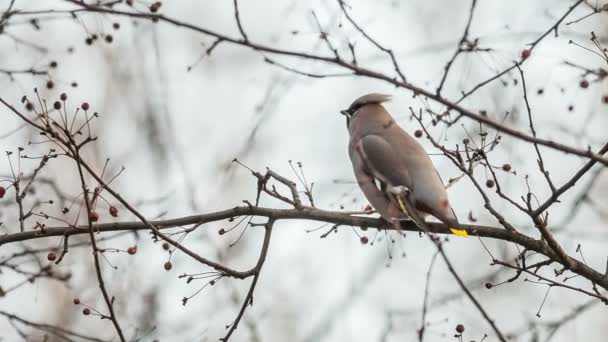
column 459, row 232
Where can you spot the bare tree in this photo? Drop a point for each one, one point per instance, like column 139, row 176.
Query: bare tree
column 137, row 170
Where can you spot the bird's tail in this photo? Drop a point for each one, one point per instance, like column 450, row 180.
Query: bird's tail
column 407, row 209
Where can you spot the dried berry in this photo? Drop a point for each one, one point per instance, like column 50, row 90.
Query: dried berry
column 53, row 64
column 506, row 167
column 460, row 328
column 490, row 183
column 113, row 211
column 84, row 106
column 168, row 266
column 76, row 301
column 418, row 133
column 166, row 246
column 86, row 311
column 2, row 191
column 155, row 7
column 50, row 84
column 364, row 240
column 93, row 216
column 584, row 84
column 221, row 231
column 525, row 53
column 51, row 256
column 63, row 96
column 57, row 105
column 132, row 250
column 489, row 286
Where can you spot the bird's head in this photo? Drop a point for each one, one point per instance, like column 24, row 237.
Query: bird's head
column 373, row 98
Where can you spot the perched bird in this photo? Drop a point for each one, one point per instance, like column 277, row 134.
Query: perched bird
column 390, row 166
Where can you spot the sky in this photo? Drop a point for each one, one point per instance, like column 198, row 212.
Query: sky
column 176, row 121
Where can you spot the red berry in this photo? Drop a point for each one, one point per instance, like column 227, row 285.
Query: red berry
column 86, row 311
column 2, row 191
column 155, row 6
column 525, row 54
column 584, row 84
column 460, row 328
column 132, row 250
column 84, row 106
column 93, row 216
column 114, row 211
column 51, row 256
column 168, row 265
column 76, row 301
column 364, row 240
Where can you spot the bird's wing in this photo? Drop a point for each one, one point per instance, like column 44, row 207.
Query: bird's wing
column 382, row 161
column 387, row 165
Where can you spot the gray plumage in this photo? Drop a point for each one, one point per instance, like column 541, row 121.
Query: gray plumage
column 384, row 156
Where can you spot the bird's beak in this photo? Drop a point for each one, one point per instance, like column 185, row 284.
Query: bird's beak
column 345, row 112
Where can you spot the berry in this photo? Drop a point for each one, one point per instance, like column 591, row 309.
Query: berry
column 460, row 328
column 168, row 265
column 57, row 105
column 418, row 133
column 489, row 286
column 51, row 256
column 155, row 7
column 50, row 84
column 29, row 106
column 116, row 26
column 364, row 240
column 132, row 250
column 221, row 231
column 63, row 96
column 166, row 246
column 113, row 211
column 109, row 38
column 89, row 41
column 2, row 191
column 584, row 84
column 506, row 167
column 84, row 106
column 570, row 108
column 86, row 311
column 605, row 99
column 93, row 216
column 525, row 53
column 490, row 183
column 53, row 64
column 76, row 301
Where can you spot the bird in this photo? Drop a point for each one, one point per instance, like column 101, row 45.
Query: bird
column 393, row 170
